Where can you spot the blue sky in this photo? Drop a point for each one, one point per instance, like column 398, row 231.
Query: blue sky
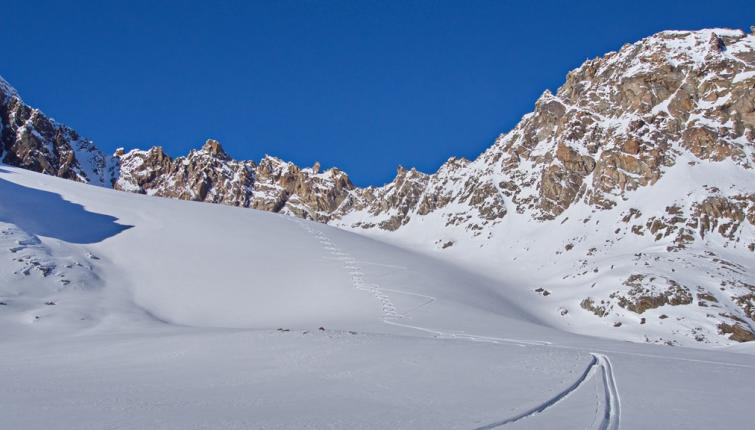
column 362, row 85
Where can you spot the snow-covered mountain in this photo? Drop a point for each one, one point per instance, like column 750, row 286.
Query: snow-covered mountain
column 119, row 310
column 626, row 200
column 624, row 204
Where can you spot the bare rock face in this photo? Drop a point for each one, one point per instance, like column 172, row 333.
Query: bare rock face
column 211, row 175
column 31, row 140
column 307, row 193
column 207, row 175
column 621, row 120
column 737, row 332
column 617, row 124
column 650, row 293
column 390, row 206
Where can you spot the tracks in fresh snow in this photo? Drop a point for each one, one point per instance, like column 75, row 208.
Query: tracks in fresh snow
column 585, row 376
column 352, row 267
column 391, row 315
column 612, row 410
column 470, row 337
column 598, row 364
column 612, row 407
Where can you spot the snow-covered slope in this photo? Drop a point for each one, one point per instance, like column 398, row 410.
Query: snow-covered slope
column 625, row 202
column 622, row 206
column 200, row 265
column 591, row 271
column 132, row 311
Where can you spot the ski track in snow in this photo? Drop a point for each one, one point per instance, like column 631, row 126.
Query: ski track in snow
column 599, row 363
column 585, row 376
column 613, row 403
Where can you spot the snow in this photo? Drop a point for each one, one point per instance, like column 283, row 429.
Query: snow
column 743, row 76
column 180, row 315
column 601, row 258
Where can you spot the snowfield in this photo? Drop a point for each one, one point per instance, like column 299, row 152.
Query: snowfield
column 120, row 311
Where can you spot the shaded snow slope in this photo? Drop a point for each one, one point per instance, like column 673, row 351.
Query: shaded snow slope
column 215, row 266
column 129, row 311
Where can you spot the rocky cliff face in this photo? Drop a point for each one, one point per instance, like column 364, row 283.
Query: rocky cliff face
column 34, row 141
column 617, row 124
column 627, row 195
column 210, row 175
column 31, row 140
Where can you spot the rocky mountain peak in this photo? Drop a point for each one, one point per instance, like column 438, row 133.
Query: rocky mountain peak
column 6, row 90
column 30, row 139
column 648, row 147
column 213, row 147
column 210, row 175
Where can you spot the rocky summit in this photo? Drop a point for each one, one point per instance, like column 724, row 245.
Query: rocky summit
column 210, row 175
column 30, row 139
column 627, row 197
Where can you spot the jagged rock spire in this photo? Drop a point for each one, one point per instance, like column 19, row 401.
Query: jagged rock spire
column 214, row 147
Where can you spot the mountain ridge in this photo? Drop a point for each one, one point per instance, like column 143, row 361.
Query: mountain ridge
column 659, row 114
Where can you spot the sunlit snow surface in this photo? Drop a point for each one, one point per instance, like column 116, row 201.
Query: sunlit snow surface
column 129, row 311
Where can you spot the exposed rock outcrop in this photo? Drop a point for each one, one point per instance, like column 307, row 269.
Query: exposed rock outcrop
column 210, row 175
column 31, row 140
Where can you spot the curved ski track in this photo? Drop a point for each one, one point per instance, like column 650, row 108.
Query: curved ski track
column 599, row 362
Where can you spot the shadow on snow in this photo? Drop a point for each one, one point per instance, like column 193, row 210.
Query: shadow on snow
column 42, row 213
